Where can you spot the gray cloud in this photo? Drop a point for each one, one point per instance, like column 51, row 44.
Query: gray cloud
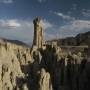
column 41, row 1
column 74, row 7
column 46, row 24
column 75, row 27
column 86, row 13
column 63, row 16
column 6, row 1
column 9, row 24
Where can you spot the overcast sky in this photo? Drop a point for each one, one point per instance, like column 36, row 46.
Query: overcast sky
column 60, row 18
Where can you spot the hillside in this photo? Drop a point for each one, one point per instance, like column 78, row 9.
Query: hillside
column 80, row 39
column 17, row 42
column 46, row 69
column 12, row 57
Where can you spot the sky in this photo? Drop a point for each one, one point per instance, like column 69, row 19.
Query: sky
column 60, row 18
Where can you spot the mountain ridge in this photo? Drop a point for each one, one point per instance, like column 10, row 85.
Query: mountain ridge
column 79, row 39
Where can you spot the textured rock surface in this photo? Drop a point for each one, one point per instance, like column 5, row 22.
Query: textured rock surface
column 12, row 57
column 80, row 39
column 43, row 69
column 45, row 80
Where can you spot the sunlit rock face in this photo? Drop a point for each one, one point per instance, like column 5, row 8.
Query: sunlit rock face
column 12, row 59
column 45, row 80
column 42, row 69
column 48, row 68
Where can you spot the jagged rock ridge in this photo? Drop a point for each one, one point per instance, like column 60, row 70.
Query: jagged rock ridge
column 12, row 57
column 45, row 69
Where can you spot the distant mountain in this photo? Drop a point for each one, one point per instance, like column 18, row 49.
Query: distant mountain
column 17, row 42
column 80, row 39
column 83, row 39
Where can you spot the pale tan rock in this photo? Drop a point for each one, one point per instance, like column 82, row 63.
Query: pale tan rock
column 45, row 80
column 10, row 64
column 25, row 87
column 38, row 33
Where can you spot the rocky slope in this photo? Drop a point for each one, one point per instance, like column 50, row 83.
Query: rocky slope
column 80, row 39
column 12, row 57
column 24, row 68
column 20, row 71
column 83, row 39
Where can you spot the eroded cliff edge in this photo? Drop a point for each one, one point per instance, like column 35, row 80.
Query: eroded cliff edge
column 42, row 69
column 12, row 58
